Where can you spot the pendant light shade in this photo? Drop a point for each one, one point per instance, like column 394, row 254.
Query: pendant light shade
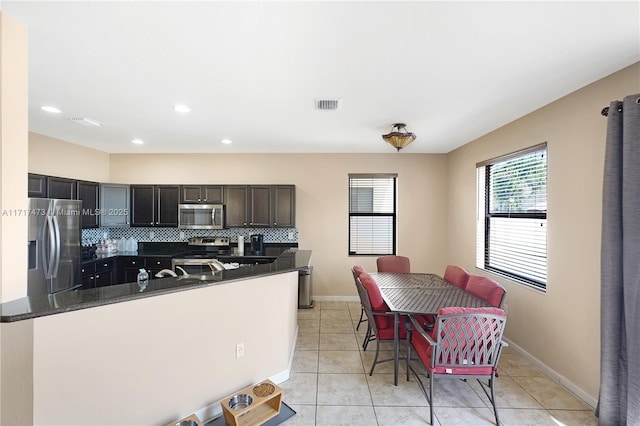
column 399, row 136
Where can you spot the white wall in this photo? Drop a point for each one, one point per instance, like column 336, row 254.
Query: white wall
column 560, row 328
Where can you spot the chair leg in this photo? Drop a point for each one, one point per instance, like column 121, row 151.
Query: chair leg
column 360, row 321
column 429, row 395
column 375, row 359
column 367, row 338
column 491, row 397
column 493, row 400
column 431, row 398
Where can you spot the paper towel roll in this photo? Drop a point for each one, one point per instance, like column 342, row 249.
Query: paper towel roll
column 240, row 245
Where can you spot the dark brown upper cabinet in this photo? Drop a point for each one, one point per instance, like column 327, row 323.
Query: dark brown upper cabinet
column 201, row 194
column 154, row 205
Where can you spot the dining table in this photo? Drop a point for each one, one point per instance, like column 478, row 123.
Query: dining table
column 419, row 293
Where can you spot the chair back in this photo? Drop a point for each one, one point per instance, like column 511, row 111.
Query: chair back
column 379, row 308
column 457, row 276
column 397, row 264
column 468, row 340
column 366, row 304
column 486, row 289
column 357, row 270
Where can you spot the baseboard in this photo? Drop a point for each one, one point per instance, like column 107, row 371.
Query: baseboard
column 554, row 375
column 214, row 410
column 336, row 299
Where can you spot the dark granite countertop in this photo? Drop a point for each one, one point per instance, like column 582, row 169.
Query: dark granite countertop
column 38, row 306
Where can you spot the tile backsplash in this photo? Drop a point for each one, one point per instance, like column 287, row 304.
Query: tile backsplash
column 166, row 235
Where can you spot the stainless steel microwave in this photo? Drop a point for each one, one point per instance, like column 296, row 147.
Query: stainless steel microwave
column 200, row 216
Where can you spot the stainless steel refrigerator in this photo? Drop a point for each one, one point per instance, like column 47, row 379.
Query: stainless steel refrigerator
column 54, row 245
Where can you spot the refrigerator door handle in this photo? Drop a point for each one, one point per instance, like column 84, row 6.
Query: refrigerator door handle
column 48, row 250
column 56, row 255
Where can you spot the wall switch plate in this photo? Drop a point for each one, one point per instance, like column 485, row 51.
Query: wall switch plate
column 239, row 350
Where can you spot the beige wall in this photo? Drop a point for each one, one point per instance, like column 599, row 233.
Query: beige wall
column 13, row 157
column 560, row 328
column 321, row 200
column 158, row 359
column 50, row 156
column 13, row 186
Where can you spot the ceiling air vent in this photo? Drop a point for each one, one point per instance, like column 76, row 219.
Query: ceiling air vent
column 327, row 104
column 86, row 121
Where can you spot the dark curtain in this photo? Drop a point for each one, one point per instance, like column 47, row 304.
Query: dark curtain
column 619, row 401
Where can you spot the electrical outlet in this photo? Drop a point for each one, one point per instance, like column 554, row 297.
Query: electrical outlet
column 239, row 350
column 182, row 235
column 291, row 235
column 152, row 234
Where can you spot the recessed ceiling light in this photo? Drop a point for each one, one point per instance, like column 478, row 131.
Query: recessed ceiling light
column 226, row 141
column 182, row 108
column 49, row 108
column 137, row 141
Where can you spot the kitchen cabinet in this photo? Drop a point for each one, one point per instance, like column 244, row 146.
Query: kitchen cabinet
column 154, row 205
column 259, row 206
column 37, row 185
column 114, row 205
column 248, row 206
column 142, row 205
column 99, row 273
column 89, row 194
column 129, row 266
column 62, row 188
column 201, row 194
column 284, row 206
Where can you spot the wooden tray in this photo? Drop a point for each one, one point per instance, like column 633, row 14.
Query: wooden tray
column 265, row 405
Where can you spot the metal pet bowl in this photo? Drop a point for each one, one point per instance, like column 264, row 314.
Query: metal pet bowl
column 187, row 423
column 240, row 401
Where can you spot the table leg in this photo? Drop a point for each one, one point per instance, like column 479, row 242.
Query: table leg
column 396, row 346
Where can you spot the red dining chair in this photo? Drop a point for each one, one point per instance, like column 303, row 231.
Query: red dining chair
column 381, row 321
column 465, row 344
column 356, row 271
column 397, row 264
column 457, row 276
column 486, row 289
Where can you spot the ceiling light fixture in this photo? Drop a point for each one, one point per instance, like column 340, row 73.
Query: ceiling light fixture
column 399, row 136
column 51, row 109
column 137, row 141
column 226, row 141
column 181, row 108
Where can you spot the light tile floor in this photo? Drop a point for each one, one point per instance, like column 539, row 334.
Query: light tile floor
column 330, row 384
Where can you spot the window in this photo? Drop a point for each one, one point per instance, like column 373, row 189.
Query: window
column 512, row 216
column 372, row 214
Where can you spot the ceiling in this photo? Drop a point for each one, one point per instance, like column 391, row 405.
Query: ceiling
column 251, row 71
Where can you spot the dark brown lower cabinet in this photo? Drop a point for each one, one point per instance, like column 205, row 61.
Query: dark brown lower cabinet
column 99, row 273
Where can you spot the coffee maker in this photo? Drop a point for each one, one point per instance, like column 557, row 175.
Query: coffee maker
column 257, row 245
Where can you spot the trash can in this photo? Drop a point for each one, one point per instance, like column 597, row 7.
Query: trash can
column 304, row 288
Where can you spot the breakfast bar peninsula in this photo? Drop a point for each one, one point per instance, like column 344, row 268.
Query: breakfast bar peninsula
column 130, row 354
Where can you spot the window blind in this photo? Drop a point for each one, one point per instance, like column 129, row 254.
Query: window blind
column 372, row 214
column 512, row 216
